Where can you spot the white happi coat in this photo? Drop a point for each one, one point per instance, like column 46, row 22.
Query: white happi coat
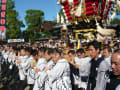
column 76, row 77
column 84, row 70
column 40, row 65
column 100, row 80
column 5, row 55
column 21, row 69
column 10, row 56
column 43, row 80
column 26, row 66
column 11, row 60
column 3, row 52
column 59, row 76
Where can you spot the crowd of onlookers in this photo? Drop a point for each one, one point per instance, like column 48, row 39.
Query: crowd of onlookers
column 51, row 66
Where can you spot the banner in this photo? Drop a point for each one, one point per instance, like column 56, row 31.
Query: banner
column 15, row 40
column 3, row 7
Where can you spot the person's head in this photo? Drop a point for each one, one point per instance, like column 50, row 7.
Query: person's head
column 80, row 53
column 35, row 54
column 0, row 55
column 94, row 49
column 41, row 52
column 116, row 46
column 115, row 62
column 107, row 51
column 71, row 54
column 22, row 51
column 28, row 51
column 49, row 54
column 10, row 48
column 57, row 55
column 14, row 49
column 2, row 48
column 7, row 48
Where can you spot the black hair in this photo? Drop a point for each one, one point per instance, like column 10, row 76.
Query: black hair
column 34, row 52
column 0, row 54
column 50, row 51
column 81, row 50
column 116, row 45
column 58, row 51
column 95, row 44
column 42, row 49
column 18, row 49
column 108, row 48
column 71, row 51
column 28, row 49
column 22, row 48
column 117, row 51
column 15, row 48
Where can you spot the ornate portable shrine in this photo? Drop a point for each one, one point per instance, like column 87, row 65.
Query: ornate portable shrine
column 88, row 16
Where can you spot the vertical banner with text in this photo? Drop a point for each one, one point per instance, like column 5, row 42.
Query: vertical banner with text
column 3, row 8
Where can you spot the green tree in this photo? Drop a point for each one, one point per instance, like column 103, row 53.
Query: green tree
column 116, row 21
column 46, row 34
column 25, row 34
column 13, row 24
column 61, row 13
column 33, row 19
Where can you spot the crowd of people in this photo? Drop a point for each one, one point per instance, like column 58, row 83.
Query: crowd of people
column 47, row 67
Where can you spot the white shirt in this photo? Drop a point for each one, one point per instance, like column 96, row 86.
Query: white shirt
column 100, row 80
column 21, row 69
column 59, row 75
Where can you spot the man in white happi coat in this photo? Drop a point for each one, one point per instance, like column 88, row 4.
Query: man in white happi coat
column 2, row 49
column 47, row 54
column 20, row 63
column 26, row 66
column 83, row 64
column 104, row 66
column 11, row 55
column 43, row 80
column 96, row 60
column 59, row 75
column 74, row 71
column 6, row 53
column 41, row 63
column 11, row 58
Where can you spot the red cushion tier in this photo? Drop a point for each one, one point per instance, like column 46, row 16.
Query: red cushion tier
column 67, row 10
column 69, row 17
column 76, row 2
column 89, row 8
column 90, row 12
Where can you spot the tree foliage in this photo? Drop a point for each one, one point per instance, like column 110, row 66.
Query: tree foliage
column 13, row 23
column 46, row 34
column 33, row 19
column 61, row 13
column 116, row 21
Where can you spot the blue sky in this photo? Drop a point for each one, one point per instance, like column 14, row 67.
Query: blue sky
column 49, row 7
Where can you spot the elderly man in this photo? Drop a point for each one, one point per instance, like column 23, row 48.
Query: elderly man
column 113, row 81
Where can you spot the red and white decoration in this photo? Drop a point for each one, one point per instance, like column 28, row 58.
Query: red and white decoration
column 67, row 9
column 76, row 8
